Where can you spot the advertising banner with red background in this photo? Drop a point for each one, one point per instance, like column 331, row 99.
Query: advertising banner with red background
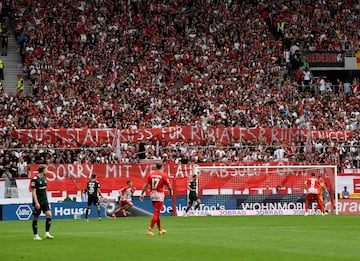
column 73, row 177
column 349, row 206
column 185, row 133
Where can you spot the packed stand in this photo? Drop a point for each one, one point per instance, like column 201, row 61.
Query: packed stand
column 107, row 64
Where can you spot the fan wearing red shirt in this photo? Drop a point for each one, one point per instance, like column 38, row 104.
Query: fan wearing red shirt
column 312, row 187
column 156, row 180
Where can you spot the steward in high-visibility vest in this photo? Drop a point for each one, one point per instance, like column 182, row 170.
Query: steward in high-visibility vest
column 1, row 70
column 20, row 84
column 280, row 27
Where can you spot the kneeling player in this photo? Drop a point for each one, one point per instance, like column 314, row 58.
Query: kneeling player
column 126, row 194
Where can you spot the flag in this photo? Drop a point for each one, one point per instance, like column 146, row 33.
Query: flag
column 308, row 144
column 116, row 144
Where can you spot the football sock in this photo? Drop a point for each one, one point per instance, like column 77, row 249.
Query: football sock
column 152, row 223
column 98, row 211
column 187, row 209
column 35, row 227
column 158, row 220
column 197, row 206
column 86, row 213
column 155, row 219
column 47, row 224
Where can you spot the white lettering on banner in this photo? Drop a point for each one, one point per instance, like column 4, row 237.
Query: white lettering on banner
column 269, row 212
column 239, row 212
column 272, row 206
column 203, row 208
column 252, row 133
column 348, row 206
column 196, row 133
column 37, row 135
column 261, row 135
column 143, row 172
column 174, row 133
column 234, row 212
column 182, row 171
column 149, row 135
column 295, row 135
column 228, row 172
column 84, row 135
column 61, row 211
column 282, row 170
column 225, row 135
column 274, row 135
column 189, row 133
column 62, row 172
column 286, row 208
column 117, row 171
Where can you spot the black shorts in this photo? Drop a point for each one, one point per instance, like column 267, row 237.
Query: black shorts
column 93, row 200
column 44, row 206
column 192, row 198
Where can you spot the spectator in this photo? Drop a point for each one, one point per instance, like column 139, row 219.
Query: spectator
column 9, row 182
column 22, row 168
column 279, row 153
column 164, row 64
column 345, row 194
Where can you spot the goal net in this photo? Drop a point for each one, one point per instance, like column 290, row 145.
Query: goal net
column 261, row 190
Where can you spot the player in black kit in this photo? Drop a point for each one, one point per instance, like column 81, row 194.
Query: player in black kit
column 40, row 202
column 93, row 191
column 193, row 195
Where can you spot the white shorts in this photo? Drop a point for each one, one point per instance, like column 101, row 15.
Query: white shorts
column 313, row 191
column 157, row 196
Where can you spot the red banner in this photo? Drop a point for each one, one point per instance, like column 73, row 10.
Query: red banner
column 349, row 206
column 272, row 180
column 73, row 178
column 185, row 133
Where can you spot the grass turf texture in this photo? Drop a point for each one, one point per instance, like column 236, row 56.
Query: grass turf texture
column 191, row 238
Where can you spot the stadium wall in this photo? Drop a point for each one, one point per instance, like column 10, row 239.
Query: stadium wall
column 269, row 205
column 67, row 181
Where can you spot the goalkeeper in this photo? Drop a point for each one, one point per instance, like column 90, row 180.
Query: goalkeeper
column 193, row 195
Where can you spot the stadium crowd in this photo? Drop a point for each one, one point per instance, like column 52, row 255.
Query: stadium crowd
column 154, row 64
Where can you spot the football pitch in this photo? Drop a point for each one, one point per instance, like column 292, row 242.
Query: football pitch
column 187, row 238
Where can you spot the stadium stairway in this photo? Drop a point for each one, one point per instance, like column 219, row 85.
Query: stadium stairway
column 12, row 65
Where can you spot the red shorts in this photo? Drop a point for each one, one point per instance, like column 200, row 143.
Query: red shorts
column 158, row 205
column 124, row 203
column 310, row 197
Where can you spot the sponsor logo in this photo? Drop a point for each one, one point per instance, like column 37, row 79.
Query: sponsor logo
column 260, row 206
column 23, row 212
column 349, row 206
column 61, row 211
column 181, row 208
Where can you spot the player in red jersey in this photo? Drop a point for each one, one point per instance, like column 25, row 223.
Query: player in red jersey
column 322, row 191
column 156, row 180
column 125, row 199
column 312, row 187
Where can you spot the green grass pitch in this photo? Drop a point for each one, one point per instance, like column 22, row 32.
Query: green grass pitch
column 188, row 238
